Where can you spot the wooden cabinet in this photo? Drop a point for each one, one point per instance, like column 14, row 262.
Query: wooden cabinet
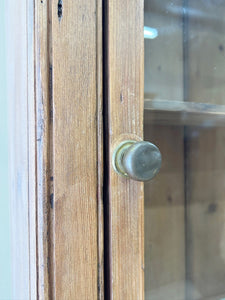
column 84, row 77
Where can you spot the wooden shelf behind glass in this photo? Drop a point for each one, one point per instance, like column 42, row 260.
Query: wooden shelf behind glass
column 169, row 112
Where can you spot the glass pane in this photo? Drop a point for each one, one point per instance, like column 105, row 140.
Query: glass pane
column 185, row 117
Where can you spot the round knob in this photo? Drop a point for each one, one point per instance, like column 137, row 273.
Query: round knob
column 140, row 161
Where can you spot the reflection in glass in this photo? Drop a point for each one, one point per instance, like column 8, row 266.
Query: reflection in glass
column 150, row 33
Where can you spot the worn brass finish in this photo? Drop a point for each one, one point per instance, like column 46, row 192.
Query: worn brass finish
column 139, row 161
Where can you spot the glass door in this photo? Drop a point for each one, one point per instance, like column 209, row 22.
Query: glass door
column 184, row 117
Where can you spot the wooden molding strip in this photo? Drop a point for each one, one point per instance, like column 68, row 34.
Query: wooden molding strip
column 169, row 112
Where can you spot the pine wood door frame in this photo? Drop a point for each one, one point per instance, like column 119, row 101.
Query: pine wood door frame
column 124, row 101
column 55, row 99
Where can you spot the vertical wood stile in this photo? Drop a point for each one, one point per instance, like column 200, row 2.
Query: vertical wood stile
column 76, row 148
column 124, row 98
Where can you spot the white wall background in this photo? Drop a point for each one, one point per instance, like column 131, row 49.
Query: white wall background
column 5, row 267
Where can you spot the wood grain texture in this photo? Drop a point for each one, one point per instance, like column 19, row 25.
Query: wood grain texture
column 100, row 141
column 75, row 80
column 20, row 79
column 124, row 33
column 43, row 73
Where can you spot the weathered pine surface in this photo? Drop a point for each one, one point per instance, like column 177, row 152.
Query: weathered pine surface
column 124, row 92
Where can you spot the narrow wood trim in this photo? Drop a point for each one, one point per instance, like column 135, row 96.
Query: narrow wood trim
column 100, row 140
column 124, row 78
column 43, row 87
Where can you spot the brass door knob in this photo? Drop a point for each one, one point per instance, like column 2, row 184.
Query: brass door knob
column 140, row 161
